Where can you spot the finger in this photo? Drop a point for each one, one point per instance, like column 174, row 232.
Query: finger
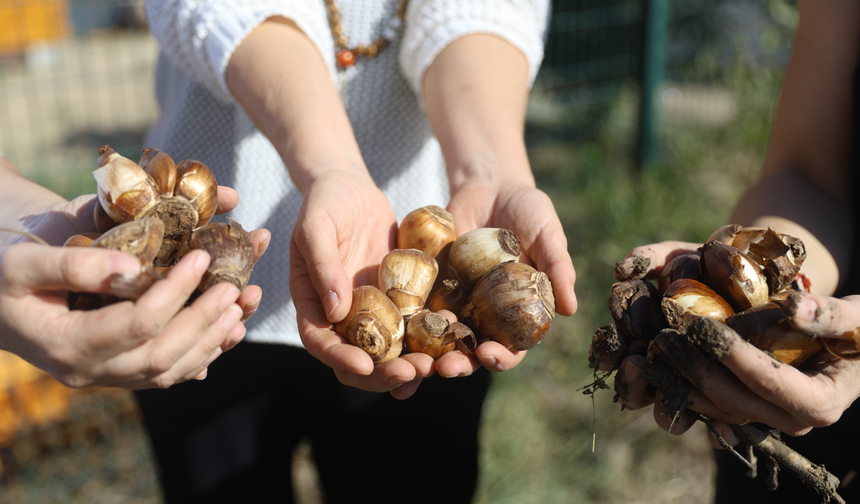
column 32, row 267
column 725, row 431
column 676, row 423
column 228, row 198
column 261, row 239
column 406, row 390
column 550, row 254
column 317, row 335
column 188, row 342
column 701, row 403
column 647, row 261
column 424, row 365
column 745, row 383
column 139, row 322
column 456, row 364
column 495, row 357
column 385, row 377
column 773, row 392
column 824, row 316
column 633, row 392
column 249, row 301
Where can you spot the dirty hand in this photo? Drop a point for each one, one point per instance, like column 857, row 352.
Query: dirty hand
column 746, row 384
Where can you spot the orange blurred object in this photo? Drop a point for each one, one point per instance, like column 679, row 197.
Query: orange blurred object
column 29, row 397
column 27, row 22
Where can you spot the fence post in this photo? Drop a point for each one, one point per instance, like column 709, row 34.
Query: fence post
column 653, row 67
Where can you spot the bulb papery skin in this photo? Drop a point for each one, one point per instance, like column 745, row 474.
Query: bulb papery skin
column 683, row 266
column 476, row 252
column 448, row 296
column 125, row 190
column 231, row 251
column 196, row 183
column 161, row 168
column 725, row 234
column 373, row 324
column 407, row 276
column 513, row 304
column 747, row 236
column 425, row 333
column 686, row 300
column 429, row 229
column 141, row 238
column 734, row 275
column 81, row 240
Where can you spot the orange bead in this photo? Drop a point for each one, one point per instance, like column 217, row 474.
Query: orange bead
column 345, row 58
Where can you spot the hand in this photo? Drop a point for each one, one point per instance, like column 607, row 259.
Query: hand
column 344, row 229
column 530, row 214
column 747, row 384
column 152, row 342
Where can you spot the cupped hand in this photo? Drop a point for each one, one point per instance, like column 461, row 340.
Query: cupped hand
column 747, row 384
column 530, row 214
column 344, row 229
column 153, row 342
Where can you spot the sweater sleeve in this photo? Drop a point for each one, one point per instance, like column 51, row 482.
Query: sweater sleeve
column 433, row 24
column 199, row 36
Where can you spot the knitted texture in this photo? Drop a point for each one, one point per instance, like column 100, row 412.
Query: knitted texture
column 200, row 120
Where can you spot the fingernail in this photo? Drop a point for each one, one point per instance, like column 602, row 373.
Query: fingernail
column 231, row 293
column 806, row 308
column 201, row 262
column 253, row 305
column 263, row 245
column 252, row 308
column 395, row 382
column 202, row 374
column 235, row 340
column 124, row 264
column 230, row 318
column 330, row 300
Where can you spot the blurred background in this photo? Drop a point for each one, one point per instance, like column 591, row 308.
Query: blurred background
column 647, row 121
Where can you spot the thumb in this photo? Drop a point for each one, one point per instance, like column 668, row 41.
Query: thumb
column 312, row 260
column 28, row 267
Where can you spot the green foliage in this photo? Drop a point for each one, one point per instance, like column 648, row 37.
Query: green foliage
column 544, row 440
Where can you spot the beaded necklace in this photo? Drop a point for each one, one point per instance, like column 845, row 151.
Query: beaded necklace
column 346, row 56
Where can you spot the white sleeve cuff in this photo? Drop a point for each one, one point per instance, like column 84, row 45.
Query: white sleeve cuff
column 229, row 28
column 434, row 24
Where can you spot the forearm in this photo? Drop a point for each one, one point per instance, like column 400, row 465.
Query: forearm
column 806, row 188
column 475, row 94
column 24, row 204
column 279, row 78
column 787, row 202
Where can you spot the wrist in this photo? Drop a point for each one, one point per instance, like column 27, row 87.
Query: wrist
column 489, row 169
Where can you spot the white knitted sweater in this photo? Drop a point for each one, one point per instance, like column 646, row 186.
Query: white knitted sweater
column 199, row 118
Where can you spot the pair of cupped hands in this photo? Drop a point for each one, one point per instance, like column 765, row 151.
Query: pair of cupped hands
column 746, row 385
column 345, row 228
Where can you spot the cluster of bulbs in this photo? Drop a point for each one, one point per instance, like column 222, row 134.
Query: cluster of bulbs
column 159, row 211
column 476, row 277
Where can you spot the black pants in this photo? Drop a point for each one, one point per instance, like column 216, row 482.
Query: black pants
column 230, row 437
column 836, row 447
